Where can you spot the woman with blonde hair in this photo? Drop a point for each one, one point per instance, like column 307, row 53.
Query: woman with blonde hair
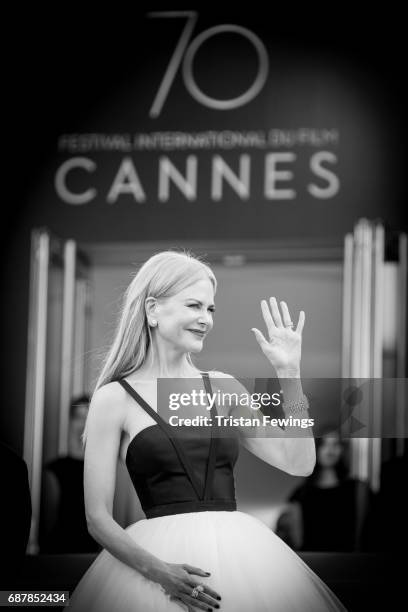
column 194, row 550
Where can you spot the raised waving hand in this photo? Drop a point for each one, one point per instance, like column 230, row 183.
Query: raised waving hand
column 283, row 344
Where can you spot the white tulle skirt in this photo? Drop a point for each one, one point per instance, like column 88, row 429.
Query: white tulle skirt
column 251, row 568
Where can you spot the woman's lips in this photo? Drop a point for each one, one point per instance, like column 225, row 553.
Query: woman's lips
column 196, row 332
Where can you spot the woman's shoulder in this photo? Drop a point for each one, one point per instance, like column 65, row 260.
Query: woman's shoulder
column 108, row 401
column 227, row 382
column 110, row 391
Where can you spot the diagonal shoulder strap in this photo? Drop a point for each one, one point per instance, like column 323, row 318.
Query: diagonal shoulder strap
column 212, row 456
column 165, row 427
column 139, row 399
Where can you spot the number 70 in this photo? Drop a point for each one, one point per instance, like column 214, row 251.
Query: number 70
column 185, row 53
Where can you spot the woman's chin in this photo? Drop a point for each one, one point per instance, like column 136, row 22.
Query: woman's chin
column 196, row 347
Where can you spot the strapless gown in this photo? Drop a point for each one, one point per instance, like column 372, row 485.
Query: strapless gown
column 186, row 489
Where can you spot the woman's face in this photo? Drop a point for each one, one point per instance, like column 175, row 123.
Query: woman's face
column 184, row 320
column 329, row 452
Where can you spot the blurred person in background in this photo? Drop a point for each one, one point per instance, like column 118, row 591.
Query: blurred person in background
column 328, row 511
column 64, row 528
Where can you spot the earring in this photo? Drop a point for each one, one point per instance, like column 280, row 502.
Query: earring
column 153, row 323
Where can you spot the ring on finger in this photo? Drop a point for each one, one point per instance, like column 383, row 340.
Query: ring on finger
column 290, row 324
column 197, row 590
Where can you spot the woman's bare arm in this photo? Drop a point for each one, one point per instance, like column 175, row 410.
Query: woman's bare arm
column 294, row 455
column 282, row 347
column 104, row 428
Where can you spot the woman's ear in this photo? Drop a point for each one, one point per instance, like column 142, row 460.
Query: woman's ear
column 150, row 308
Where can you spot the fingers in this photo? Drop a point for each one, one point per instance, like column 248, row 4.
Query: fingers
column 212, row 593
column 275, row 312
column 301, row 322
column 208, row 592
column 196, row 603
column 274, row 319
column 285, row 313
column 183, row 591
column 269, row 322
column 260, row 337
column 195, row 570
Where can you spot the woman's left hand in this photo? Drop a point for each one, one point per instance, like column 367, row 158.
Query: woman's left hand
column 283, row 349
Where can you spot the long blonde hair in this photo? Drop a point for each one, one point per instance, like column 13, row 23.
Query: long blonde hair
column 162, row 275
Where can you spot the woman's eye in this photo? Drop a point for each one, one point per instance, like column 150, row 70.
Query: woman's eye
column 212, row 310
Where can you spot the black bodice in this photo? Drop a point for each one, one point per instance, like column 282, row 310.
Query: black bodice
column 174, row 474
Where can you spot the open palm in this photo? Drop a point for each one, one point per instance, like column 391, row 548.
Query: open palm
column 283, row 348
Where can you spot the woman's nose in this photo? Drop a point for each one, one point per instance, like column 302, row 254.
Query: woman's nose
column 204, row 319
